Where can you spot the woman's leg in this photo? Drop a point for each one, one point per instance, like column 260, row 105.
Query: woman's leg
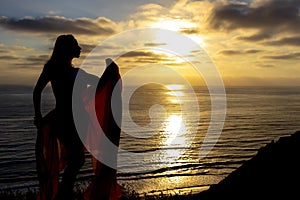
column 75, row 160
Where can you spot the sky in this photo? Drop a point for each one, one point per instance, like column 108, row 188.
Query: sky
column 250, row 42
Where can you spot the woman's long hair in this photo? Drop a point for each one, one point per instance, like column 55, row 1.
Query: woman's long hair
column 62, row 51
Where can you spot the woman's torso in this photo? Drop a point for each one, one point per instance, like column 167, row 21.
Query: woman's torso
column 62, row 83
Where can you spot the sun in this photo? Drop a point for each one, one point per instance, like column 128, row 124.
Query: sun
column 178, row 25
column 174, row 41
column 172, row 24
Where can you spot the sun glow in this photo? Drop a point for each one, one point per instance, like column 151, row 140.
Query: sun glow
column 180, row 50
column 178, row 25
column 172, row 24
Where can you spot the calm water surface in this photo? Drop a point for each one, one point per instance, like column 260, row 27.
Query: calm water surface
column 161, row 152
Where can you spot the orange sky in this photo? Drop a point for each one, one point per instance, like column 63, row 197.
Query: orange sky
column 250, row 42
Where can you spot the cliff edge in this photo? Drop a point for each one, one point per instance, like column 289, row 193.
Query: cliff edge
column 273, row 173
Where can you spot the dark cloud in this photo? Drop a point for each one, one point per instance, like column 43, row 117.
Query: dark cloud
column 33, row 61
column 27, row 65
column 251, row 51
column 230, row 52
column 87, row 47
column 153, row 44
column 56, row 24
column 139, row 54
column 164, row 60
column 190, row 31
column 292, row 56
column 3, row 51
column 7, row 58
column 38, row 59
column 289, row 41
column 255, row 37
column 266, row 65
column 273, row 16
column 6, row 49
column 145, row 57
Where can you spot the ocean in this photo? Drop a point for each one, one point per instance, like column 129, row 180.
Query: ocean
column 160, row 139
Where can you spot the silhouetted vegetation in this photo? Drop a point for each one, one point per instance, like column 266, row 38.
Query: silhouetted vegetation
column 128, row 194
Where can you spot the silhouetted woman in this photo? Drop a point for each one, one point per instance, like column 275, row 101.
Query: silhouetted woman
column 60, row 72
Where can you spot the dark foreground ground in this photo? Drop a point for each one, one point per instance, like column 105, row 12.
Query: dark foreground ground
column 274, row 173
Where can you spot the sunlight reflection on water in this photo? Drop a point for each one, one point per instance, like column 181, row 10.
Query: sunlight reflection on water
column 174, row 138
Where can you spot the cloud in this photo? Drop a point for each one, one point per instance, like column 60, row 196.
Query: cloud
column 154, row 44
column 87, row 47
column 58, row 24
column 274, row 16
column 21, row 57
column 266, row 65
column 15, row 62
column 255, row 37
column 6, row 49
column 190, row 31
column 230, row 52
column 139, row 54
column 8, row 58
column 38, row 59
column 289, row 56
column 289, row 41
column 53, row 12
column 149, row 11
column 147, row 57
